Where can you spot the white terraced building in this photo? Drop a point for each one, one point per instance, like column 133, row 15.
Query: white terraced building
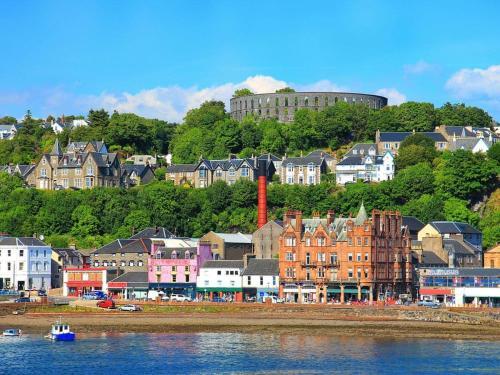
column 25, row 263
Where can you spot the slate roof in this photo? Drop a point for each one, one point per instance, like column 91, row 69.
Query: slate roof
column 178, row 168
column 459, row 131
column 25, row 169
column 361, row 160
column 262, row 267
column 67, row 252
column 228, row 163
column 269, row 156
column 453, row 227
column 223, row 264
column 132, row 277
column 304, row 160
column 320, row 153
column 401, row 136
column 467, row 143
column 429, row 257
column 414, row 225
column 140, row 170
column 166, row 253
column 235, row 237
column 155, row 232
column 458, row 247
column 113, row 247
column 21, row 241
column 362, row 149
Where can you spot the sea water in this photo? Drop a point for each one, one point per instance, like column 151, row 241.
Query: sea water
column 228, row 353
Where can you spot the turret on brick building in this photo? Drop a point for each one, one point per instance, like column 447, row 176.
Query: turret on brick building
column 344, row 258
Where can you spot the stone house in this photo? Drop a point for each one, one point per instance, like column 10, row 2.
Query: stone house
column 134, row 175
column 391, row 141
column 123, row 255
column 303, row 170
column 228, row 246
column 84, row 165
column 266, row 240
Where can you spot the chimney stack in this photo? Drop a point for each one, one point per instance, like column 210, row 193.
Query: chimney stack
column 262, row 194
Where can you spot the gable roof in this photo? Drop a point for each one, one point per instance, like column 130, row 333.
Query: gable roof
column 112, row 247
column 362, row 149
column 414, row 225
column 262, row 267
column 459, row 131
column 155, row 232
column 401, row 136
column 304, row 160
column 453, row 227
column 178, row 168
column 458, row 247
column 139, row 169
column 429, row 257
column 321, row 153
column 166, row 253
column 21, row 241
column 223, row 264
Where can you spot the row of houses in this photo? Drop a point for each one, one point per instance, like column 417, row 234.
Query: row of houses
column 83, row 165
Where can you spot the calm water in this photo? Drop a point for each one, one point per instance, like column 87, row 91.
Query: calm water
column 213, row 353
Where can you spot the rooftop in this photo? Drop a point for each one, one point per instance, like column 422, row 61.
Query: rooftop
column 223, row 264
column 262, row 267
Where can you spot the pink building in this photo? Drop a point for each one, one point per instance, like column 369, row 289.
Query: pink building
column 174, row 265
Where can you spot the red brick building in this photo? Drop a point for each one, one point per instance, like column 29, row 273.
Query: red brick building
column 344, row 259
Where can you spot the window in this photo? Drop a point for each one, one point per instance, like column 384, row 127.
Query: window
column 321, row 272
column 289, row 167
column 9, row 266
column 308, row 241
column 122, row 254
column 289, row 256
column 105, row 263
column 187, row 277
column 10, row 251
column 358, row 241
column 21, row 266
column 236, row 272
column 308, row 275
column 219, row 272
column 296, row 101
column 321, row 257
column 311, row 180
column 249, row 280
column 174, row 269
column 231, row 272
column 310, row 167
column 366, row 241
column 131, row 263
column 349, row 241
column 358, row 257
column 366, row 273
column 231, row 172
column 349, row 273
column 290, row 272
column 203, row 173
column 261, row 281
column 88, row 182
column 174, row 254
column 290, row 241
column 306, row 102
column 244, row 172
column 308, row 258
column 43, row 172
column 174, row 278
column 316, row 101
column 286, row 102
column 366, row 256
column 387, row 146
column 187, row 255
column 113, row 263
column 90, row 170
column 359, row 273
column 45, row 266
column 349, row 257
column 96, row 264
column 78, row 172
column 321, row 241
column 21, row 253
column 78, row 182
column 333, row 258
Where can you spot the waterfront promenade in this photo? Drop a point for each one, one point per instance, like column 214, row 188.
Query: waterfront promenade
column 402, row 322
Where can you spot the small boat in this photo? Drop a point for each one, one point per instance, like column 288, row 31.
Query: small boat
column 12, row 332
column 60, row 332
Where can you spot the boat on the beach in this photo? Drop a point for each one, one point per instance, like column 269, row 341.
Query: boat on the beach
column 60, row 332
column 12, row 332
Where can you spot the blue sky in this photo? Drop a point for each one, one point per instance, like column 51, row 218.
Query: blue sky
column 160, row 58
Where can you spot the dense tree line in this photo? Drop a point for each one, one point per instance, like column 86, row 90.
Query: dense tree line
column 437, row 190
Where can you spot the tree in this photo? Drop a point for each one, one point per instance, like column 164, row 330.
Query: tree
column 85, row 223
column 334, row 125
column 415, row 149
column 98, row 118
column 426, row 208
column 413, row 182
column 7, row 120
column 160, row 173
column 418, row 139
column 461, row 115
column 285, row 90
column 456, row 210
column 464, row 175
column 207, row 115
column 242, row 92
column 494, row 152
column 420, row 117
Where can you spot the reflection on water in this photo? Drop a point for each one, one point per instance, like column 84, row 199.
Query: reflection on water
column 215, row 353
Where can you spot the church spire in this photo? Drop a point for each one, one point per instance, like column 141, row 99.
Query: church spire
column 56, row 150
column 362, row 215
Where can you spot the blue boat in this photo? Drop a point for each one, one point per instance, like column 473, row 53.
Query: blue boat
column 61, row 332
column 12, row 332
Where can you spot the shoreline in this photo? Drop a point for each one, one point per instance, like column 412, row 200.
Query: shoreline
column 387, row 324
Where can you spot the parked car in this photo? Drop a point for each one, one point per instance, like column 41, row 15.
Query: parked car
column 106, row 304
column 95, row 295
column 428, row 303
column 218, row 299
column 165, row 298
column 251, row 299
column 130, row 308
column 22, row 300
column 179, row 298
column 273, row 299
column 42, row 293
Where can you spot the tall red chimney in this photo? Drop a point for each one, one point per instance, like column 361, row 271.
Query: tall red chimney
column 262, row 194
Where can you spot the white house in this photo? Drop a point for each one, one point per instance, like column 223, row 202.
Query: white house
column 25, row 263
column 261, row 278
column 362, row 163
column 8, row 131
column 222, row 278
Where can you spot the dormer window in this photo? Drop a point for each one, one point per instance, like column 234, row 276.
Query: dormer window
column 187, row 255
column 65, row 161
column 174, row 254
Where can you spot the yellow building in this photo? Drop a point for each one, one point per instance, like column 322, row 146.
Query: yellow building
column 492, row 257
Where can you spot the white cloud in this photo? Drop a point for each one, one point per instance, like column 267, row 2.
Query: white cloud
column 476, row 83
column 419, row 67
column 395, row 97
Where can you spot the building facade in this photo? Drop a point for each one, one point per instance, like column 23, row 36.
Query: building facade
column 174, row 265
column 342, row 259
column 266, row 240
column 78, row 281
column 123, row 255
column 228, row 246
column 282, row 106
column 84, row 165
column 220, row 280
column 303, row 170
column 391, row 141
column 492, row 257
column 363, row 163
column 25, row 263
column 261, row 279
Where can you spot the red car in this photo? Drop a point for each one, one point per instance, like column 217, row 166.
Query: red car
column 106, row 304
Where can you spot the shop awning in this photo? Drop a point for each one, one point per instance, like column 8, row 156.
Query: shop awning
column 436, row 292
column 347, row 290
